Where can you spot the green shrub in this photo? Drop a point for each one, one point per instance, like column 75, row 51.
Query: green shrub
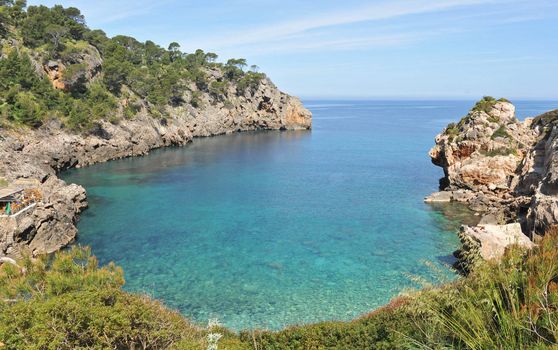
column 485, row 104
column 502, row 151
column 493, row 119
column 500, row 132
column 74, row 78
column 508, row 305
column 218, row 90
column 27, row 109
column 68, row 302
column 196, row 100
column 250, row 81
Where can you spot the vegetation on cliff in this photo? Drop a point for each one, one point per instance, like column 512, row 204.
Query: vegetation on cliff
column 66, row 301
column 53, row 66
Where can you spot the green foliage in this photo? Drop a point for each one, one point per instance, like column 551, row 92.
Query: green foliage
column 74, row 77
column 502, row 151
column 115, row 73
column 159, row 77
column 25, row 98
column 218, row 89
column 452, row 130
column 67, row 302
column 508, row 305
column 196, row 100
column 486, row 103
column 96, row 103
column 250, row 81
column 234, row 69
column 380, row 330
column 43, row 25
column 500, row 132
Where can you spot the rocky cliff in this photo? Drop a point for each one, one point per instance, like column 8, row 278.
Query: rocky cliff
column 40, row 154
column 502, row 168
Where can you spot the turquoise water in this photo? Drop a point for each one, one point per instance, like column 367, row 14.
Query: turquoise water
column 268, row 229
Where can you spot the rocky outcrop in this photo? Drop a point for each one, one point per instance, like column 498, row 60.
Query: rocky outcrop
column 491, row 241
column 505, row 169
column 483, row 151
column 539, row 176
column 78, row 67
column 42, row 153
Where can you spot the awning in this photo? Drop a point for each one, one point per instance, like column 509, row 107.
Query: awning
column 7, row 194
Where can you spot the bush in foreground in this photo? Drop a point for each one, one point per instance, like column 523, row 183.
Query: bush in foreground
column 68, row 302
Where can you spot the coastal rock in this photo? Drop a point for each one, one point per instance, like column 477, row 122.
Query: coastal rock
column 539, row 176
column 483, row 150
column 439, row 197
column 491, row 241
column 509, row 170
column 461, row 196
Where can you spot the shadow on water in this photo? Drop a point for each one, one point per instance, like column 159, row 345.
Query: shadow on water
column 449, row 217
column 201, row 152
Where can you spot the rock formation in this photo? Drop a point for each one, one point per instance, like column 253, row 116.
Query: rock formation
column 505, row 169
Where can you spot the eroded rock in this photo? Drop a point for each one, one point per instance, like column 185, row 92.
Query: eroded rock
column 491, row 241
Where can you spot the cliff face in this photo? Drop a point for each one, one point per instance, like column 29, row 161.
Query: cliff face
column 40, row 154
column 539, row 176
column 483, row 151
column 504, row 169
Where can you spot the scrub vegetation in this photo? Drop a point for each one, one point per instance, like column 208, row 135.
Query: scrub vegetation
column 98, row 77
column 66, row 301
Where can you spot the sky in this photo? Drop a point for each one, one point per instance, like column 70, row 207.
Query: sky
column 359, row 49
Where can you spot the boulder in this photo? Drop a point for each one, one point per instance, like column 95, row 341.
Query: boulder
column 490, row 241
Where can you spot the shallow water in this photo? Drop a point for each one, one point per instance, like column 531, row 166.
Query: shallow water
column 268, row 229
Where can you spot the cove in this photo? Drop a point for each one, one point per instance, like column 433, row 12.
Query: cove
column 267, row 229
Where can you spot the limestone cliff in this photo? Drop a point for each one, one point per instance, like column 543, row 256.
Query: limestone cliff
column 502, row 168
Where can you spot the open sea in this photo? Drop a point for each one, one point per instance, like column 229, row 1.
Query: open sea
column 268, row 229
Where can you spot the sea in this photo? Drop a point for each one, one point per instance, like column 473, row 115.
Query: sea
column 276, row 228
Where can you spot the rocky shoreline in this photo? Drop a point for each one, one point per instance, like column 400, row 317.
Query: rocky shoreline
column 503, row 169
column 33, row 158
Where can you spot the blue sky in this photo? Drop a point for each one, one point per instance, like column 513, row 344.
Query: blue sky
column 360, row 49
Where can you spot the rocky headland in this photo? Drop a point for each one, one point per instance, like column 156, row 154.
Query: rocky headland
column 34, row 157
column 505, row 170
